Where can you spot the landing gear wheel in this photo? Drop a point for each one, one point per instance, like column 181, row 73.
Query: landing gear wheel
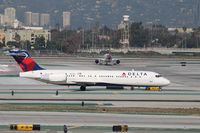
column 82, row 88
column 132, row 88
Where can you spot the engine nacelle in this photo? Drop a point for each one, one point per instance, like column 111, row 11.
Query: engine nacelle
column 97, row 61
column 117, row 61
column 54, row 77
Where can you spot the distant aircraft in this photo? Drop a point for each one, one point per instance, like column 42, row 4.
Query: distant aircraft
column 5, row 49
column 107, row 60
column 4, row 68
column 85, row 78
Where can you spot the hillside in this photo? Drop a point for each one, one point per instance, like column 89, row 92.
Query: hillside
column 109, row 12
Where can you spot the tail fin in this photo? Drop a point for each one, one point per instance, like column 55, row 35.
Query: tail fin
column 24, row 60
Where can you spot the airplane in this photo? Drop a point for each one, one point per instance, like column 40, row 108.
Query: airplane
column 7, row 68
column 84, row 78
column 107, row 60
column 4, row 68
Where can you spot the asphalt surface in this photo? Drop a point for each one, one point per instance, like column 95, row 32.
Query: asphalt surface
column 183, row 92
column 101, row 119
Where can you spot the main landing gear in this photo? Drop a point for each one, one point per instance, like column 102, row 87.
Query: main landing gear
column 83, row 88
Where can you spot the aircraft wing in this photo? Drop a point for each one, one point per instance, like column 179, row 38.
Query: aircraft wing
column 115, row 61
column 84, row 83
column 100, row 61
column 107, row 61
column 89, row 83
column 102, row 83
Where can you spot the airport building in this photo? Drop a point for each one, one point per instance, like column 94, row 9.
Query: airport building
column 26, row 34
column 181, row 30
column 9, row 16
column 66, row 19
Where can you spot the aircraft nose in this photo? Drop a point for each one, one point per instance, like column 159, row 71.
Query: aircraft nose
column 166, row 81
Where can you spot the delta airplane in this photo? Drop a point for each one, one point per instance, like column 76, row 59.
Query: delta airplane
column 84, row 78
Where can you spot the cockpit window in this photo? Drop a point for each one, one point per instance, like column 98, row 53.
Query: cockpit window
column 157, row 76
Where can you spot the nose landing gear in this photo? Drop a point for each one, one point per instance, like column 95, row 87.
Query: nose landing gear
column 83, row 88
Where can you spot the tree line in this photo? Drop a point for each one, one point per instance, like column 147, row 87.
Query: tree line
column 70, row 41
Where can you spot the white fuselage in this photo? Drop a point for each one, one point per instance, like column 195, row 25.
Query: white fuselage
column 98, row 78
